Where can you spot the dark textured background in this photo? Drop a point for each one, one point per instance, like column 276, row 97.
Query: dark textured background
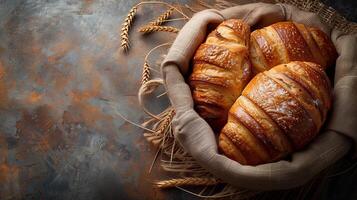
column 348, row 8
column 62, row 77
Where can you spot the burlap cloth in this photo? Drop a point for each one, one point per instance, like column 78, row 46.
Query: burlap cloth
column 196, row 136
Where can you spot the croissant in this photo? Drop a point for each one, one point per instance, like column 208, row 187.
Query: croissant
column 279, row 111
column 221, row 69
column 283, row 42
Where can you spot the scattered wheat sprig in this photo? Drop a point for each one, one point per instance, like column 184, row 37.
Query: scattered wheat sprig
column 189, row 181
column 150, row 29
column 125, row 28
column 175, row 19
column 145, row 77
column 166, row 122
column 146, row 73
column 124, row 35
column 161, row 19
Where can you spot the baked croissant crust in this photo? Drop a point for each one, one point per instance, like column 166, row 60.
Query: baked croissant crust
column 283, row 42
column 221, row 69
column 279, row 111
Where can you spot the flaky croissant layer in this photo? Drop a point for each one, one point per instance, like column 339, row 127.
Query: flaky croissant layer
column 283, row 42
column 221, row 69
column 279, row 111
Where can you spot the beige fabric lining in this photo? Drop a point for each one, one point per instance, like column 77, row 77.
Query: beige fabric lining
column 197, row 138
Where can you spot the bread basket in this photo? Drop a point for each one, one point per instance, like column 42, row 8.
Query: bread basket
column 196, row 136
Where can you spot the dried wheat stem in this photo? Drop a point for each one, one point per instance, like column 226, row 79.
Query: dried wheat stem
column 153, row 138
column 176, row 19
column 167, row 4
column 145, row 77
column 204, row 4
column 114, row 106
column 161, row 19
column 124, row 35
column 146, row 73
column 145, row 89
column 166, row 122
column 223, row 4
column 125, row 28
column 149, row 29
column 191, row 9
column 154, row 160
column 162, row 94
column 230, row 193
column 189, row 181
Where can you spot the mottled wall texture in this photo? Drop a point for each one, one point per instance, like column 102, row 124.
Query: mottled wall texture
column 63, row 78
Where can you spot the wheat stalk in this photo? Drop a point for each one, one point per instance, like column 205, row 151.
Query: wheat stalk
column 150, row 28
column 166, row 4
column 161, row 19
column 145, row 77
column 204, row 4
column 191, row 181
column 160, row 131
column 124, row 36
column 166, row 122
column 223, row 4
column 154, row 139
column 125, row 28
column 146, row 73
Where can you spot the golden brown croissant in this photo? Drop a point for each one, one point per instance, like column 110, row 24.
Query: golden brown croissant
column 279, row 111
column 283, row 42
column 221, row 69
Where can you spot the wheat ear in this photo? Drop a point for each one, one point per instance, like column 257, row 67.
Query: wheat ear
column 189, row 181
column 161, row 19
column 165, row 123
column 146, row 73
column 125, row 28
column 162, row 128
column 124, row 36
column 145, row 77
column 150, row 28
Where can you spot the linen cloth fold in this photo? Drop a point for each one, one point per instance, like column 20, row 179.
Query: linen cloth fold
column 196, row 136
